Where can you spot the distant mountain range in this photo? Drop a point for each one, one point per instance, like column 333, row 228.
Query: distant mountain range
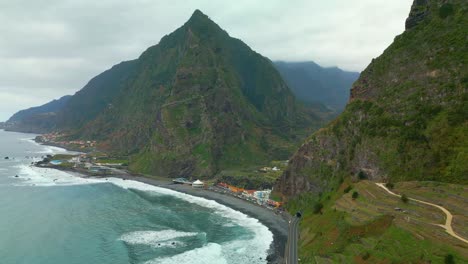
column 312, row 83
column 37, row 119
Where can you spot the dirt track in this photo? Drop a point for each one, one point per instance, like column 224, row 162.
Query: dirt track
column 448, row 222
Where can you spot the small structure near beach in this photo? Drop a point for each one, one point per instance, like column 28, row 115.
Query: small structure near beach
column 99, row 170
column 181, row 181
column 198, row 184
column 55, row 162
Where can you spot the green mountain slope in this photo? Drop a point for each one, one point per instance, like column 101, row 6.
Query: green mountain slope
column 406, row 124
column 407, row 119
column 312, row 83
column 37, row 119
column 196, row 103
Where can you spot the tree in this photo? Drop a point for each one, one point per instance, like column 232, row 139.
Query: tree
column 404, row 198
column 362, row 175
column 449, row 259
column 389, row 185
column 355, row 195
column 365, row 256
column 347, row 189
column 318, row 207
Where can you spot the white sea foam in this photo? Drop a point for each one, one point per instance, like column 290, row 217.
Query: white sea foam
column 258, row 246
column 35, row 176
column 55, row 150
column 129, row 184
column 48, row 149
column 210, row 253
column 156, row 238
column 252, row 250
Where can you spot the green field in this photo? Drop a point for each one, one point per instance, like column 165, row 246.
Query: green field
column 251, row 177
column 368, row 229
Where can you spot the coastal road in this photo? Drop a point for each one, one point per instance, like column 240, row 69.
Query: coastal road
column 448, row 221
column 290, row 254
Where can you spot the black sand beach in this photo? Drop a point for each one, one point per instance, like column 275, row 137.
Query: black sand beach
column 276, row 223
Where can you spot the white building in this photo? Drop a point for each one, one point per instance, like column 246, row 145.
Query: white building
column 198, row 184
column 262, row 196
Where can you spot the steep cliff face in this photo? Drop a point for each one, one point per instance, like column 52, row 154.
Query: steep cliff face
column 407, row 116
column 198, row 102
column 419, row 10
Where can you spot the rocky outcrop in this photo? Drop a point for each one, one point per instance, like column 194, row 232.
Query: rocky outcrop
column 419, row 11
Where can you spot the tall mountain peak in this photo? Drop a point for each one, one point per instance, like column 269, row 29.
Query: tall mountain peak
column 198, row 18
column 197, row 103
column 197, row 14
column 202, row 26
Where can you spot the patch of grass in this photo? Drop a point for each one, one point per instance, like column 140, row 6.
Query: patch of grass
column 66, row 165
column 275, row 196
column 113, row 161
column 62, row 157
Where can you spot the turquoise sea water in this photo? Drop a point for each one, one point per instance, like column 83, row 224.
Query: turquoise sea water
column 52, row 217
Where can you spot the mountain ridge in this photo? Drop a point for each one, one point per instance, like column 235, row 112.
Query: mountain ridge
column 194, row 104
column 312, row 83
column 38, row 119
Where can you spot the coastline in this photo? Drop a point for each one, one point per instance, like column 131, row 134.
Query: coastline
column 277, row 224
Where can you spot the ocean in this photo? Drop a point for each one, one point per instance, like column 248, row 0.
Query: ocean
column 52, row 217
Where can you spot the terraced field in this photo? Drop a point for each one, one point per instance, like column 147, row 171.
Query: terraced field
column 377, row 227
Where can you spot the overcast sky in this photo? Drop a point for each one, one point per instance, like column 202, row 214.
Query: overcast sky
column 50, row 48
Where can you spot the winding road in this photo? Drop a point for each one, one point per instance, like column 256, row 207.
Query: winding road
column 290, row 255
column 448, row 222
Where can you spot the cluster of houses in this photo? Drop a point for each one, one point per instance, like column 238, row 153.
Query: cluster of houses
column 259, row 197
column 267, row 169
column 83, row 163
column 55, row 138
column 255, row 196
